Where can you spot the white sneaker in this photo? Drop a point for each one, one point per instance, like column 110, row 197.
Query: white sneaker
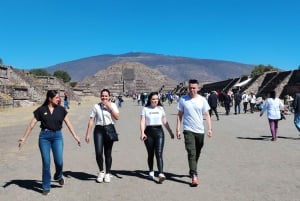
column 161, row 177
column 100, row 177
column 151, row 175
column 107, row 178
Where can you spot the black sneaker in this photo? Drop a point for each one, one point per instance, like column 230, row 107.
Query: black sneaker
column 61, row 181
column 46, row 192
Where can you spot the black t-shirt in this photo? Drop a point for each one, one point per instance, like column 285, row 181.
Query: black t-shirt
column 50, row 121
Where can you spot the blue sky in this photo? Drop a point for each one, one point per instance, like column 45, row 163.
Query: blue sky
column 41, row 33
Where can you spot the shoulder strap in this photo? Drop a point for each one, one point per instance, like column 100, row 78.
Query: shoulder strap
column 100, row 105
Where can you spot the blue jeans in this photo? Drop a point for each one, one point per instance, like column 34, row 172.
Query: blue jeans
column 51, row 140
column 66, row 104
column 297, row 121
column 237, row 108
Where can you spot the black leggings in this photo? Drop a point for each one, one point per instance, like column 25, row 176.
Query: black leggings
column 155, row 145
column 101, row 142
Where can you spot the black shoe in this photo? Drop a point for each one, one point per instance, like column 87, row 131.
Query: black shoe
column 46, row 192
column 61, row 181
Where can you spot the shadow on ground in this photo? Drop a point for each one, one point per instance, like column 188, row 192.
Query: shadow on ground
column 34, row 185
column 267, row 138
column 142, row 174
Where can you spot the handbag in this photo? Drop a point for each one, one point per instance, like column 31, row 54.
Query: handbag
column 111, row 133
column 110, row 130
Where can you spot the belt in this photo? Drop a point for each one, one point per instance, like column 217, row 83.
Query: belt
column 48, row 130
column 154, row 126
column 104, row 126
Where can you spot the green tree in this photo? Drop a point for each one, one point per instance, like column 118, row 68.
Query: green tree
column 39, row 72
column 260, row 69
column 62, row 75
column 1, row 62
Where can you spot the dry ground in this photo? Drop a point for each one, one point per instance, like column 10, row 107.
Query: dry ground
column 238, row 163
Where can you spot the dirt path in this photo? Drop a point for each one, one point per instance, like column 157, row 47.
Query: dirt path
column 238, row 163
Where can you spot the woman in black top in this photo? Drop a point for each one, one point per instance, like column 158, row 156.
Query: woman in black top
column 51, row 115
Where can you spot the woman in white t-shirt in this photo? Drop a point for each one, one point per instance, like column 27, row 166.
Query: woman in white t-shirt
column 153, row 117
column 273, row 106
column 103, row 116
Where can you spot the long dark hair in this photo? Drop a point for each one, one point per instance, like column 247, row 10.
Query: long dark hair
column 150, row 97
column 50, row 94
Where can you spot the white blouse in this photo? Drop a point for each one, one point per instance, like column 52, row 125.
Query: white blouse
column 273, row 107
column 97, row 113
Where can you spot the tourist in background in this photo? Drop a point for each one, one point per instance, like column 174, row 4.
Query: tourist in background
column 213, row 103
column 153, row 117
column 273, row 106
column 252, row 101
column 227, row 101
column 103, row 115
column 66, row 100
column 245, row 99
column 192, row 109
column 237, row 102
column 51, row 115
column 296, row 105
column 120, row 100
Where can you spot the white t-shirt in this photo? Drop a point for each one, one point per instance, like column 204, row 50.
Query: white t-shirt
column 97, row 113
column 273, row 107
column 245, row 98
column 252, row 98
column 193, row 109
column 153, row 116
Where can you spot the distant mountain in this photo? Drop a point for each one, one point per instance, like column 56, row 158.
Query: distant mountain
column 175, row 67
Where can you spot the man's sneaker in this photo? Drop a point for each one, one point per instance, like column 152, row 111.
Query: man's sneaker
column 151, row 175
column 46, row 192
column 61, row 181
column 100, row 177
column 107, row 178
column 194, row 181
column 161, row 178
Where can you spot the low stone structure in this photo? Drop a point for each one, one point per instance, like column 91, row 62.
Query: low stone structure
column 19, row 87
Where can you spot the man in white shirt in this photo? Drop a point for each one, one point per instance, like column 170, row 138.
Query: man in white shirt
column 192, row 109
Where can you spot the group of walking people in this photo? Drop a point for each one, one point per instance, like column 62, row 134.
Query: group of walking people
column 192, row 109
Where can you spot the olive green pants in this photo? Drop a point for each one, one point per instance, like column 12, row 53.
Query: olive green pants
column 193, row 145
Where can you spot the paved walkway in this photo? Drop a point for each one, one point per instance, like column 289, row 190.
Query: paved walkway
column 238, row 163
